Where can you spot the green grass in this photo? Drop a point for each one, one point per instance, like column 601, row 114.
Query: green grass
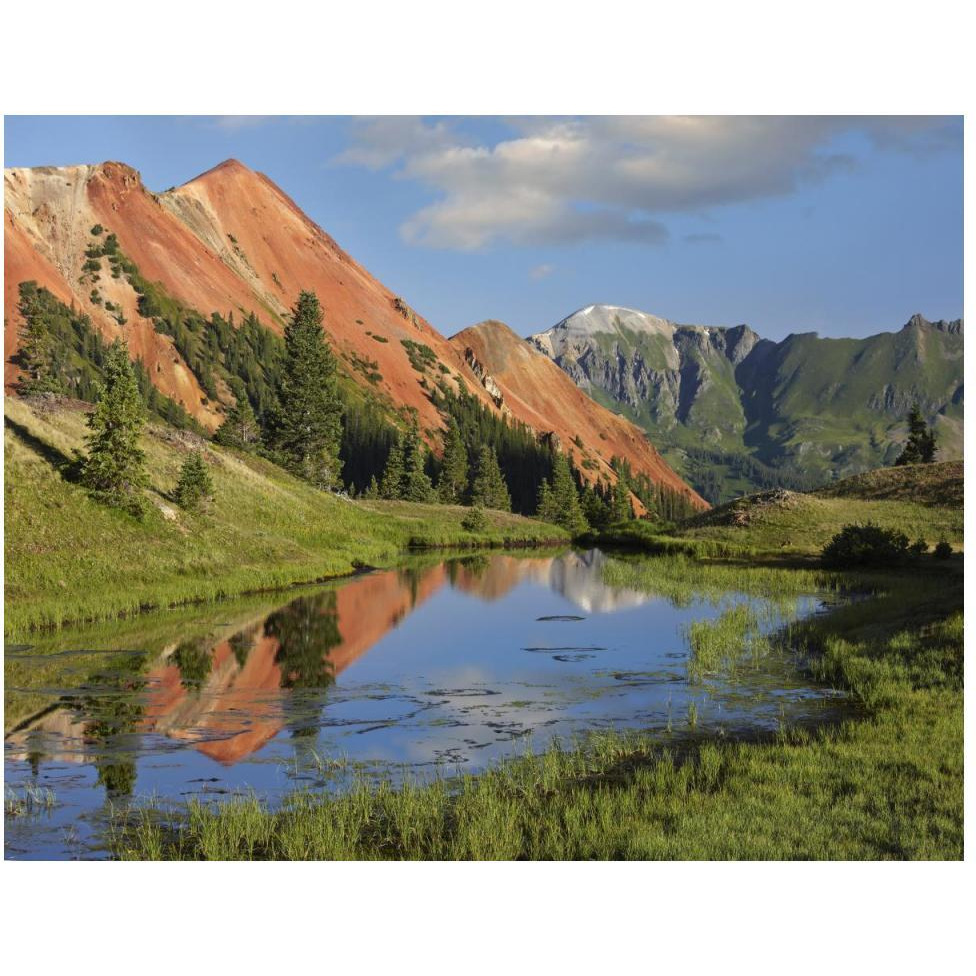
column 681, row 579
column 68, row 558
column 887, row 784
column 924, row 500
column 801, row 524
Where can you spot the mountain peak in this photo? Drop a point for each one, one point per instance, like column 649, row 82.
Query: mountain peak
column 610, row 318
column 918, row 321
column 229, row 167
column 494, row 328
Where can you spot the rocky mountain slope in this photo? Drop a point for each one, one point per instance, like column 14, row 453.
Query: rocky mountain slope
column 227, row 241
column 230, row 242
column 734, row 412
column 535, row 390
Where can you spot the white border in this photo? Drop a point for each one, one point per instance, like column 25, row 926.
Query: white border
column 503, row 57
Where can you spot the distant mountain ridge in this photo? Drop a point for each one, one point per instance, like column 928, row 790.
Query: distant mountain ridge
column 732, row 411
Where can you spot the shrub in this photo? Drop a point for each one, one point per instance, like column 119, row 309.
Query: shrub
column 868, row 545
column 942, row 550
column 475, row 521
column 97, row 230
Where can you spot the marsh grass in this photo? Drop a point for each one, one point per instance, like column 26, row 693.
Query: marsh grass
column 28, row 799
column 684, row 580
column 887, row 784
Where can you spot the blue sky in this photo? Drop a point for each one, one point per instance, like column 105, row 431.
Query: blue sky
column 845, row 226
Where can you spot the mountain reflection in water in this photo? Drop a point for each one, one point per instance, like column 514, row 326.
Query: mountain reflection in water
column 468, row 657
column 230, row 698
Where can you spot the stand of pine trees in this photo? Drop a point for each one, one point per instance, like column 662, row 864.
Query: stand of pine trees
column 290, row 407
column 62, row 353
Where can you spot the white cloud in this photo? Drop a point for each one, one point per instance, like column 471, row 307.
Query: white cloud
column 559, row 180
column 541, row 271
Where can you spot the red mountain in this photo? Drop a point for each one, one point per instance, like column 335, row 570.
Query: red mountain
column 232, row 241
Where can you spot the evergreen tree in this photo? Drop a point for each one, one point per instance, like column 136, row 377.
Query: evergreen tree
column 372, row 489
column 240, row 428
column 453, row 481
column 416, row 485
column 621, row 509
column 115, row 467
column 488, row 489
column 306, row 429
column 596, row 511
column 547, row 508
column 920, row 447
column 560, row 499
column 391, row 484
column 195, row 483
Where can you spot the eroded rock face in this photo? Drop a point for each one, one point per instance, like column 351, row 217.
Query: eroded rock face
column 487, row 380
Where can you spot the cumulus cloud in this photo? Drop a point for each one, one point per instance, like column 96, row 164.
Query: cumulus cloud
column 556, row 180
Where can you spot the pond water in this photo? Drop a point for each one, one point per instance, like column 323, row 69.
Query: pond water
column 424, row 670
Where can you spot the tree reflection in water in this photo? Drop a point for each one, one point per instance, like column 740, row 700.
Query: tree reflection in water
column 193, row 658
column 306, row 630
column 113, row 707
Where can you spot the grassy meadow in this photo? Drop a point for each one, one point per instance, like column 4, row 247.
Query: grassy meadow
column 69, row 558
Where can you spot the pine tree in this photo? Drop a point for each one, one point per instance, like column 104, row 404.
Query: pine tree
column 416, row 485
column 547, row 508
column 115, row 468
column 453, row 481
column 240, row 428
column 596, row 511
column 391, row 484
column 372, row 489
column 621, row 509
column 195, row 483
column 920, row 447
column 306, row 429
column 562, row 504
column 488, row 489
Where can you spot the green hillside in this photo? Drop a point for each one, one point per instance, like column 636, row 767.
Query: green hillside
column 922, row 500
column 734, row 413
column 69, row 558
